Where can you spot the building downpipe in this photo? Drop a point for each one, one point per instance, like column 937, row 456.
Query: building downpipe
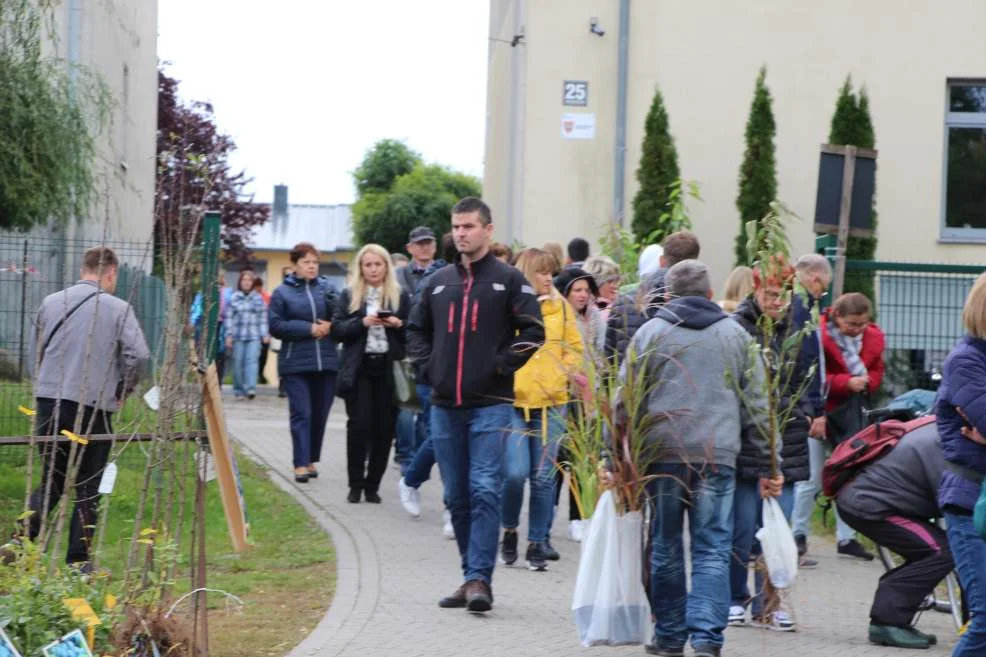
column 620, row 155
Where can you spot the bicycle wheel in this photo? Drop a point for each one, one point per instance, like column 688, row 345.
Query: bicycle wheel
column 956, row 601
column 888, row 558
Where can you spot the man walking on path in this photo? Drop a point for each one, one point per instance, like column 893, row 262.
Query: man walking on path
column 89, row 355
column 413, row 428
column 474, row 325
column 707, row 400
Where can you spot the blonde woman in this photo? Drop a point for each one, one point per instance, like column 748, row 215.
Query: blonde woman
column 739, row 285
column 607, row 276
column 369, row 323
column 540, row 395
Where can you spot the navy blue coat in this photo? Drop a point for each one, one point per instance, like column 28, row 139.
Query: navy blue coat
column 963, row 386
column 295, row 305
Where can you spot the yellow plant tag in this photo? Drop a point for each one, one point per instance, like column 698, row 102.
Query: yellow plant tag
column 74, row 438
column 82, row 611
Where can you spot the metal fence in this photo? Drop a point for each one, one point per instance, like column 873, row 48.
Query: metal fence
column 31, row 268
column 919, row 308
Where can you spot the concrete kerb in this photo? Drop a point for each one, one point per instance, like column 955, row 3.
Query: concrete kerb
column 357, row 571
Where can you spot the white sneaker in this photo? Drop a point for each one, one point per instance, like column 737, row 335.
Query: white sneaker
column 410, row 498
column 737, row 615
column 575, row 529
column 780, row 621
column 448, row 530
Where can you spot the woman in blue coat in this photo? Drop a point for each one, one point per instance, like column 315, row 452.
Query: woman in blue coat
column 961, row 412
column 300, row 309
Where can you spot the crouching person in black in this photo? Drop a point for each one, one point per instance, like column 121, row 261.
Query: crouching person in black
column 369, row 322
column 892, row 501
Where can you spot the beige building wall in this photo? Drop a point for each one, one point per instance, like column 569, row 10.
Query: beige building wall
column 118, row 40
column 704, row 55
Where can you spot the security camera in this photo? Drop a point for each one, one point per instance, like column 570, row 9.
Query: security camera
column 594, row 27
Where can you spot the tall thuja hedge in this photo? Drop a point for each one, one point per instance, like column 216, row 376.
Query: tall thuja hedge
column 657, row 173
column 852, row 126
column 758, row 172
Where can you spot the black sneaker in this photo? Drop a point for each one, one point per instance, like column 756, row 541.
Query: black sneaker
column 508, row 550
column 550, row 553
column 535, row 558
column 852, row 548
column 664, row 651
column 707, row 650
column 802, row 543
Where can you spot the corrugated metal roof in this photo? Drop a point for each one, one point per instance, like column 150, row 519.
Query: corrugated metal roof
column 328, row 227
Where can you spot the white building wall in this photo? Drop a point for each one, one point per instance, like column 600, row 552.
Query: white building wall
column 704, row 55
column 114, row 35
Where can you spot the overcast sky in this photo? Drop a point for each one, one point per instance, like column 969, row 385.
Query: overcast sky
column 306, row 86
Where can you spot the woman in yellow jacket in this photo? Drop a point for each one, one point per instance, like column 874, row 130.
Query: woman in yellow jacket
column 541, row 394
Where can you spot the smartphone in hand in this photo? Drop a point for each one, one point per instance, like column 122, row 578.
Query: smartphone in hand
column 384, row 314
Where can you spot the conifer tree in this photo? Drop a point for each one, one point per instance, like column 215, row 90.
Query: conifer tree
column 758, row 172
column 657, row 173
column 852, row 126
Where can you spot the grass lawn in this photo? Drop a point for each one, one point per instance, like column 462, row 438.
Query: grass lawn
column 286, row 579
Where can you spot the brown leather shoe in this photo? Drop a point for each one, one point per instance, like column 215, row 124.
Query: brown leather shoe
column 479, row 595
column 455, row 601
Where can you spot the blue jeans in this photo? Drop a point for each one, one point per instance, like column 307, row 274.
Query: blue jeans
column 246, row 356
column 531, row 452
column 418, row 471
column 805, row 491
column 404, row 444
column 706, row 495
column 469, row 445
column 747, row 515
column 969, row 551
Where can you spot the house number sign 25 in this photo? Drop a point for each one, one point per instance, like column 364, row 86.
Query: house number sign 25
column 575, row 93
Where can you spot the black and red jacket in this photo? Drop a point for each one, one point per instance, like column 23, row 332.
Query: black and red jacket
column 471, row 328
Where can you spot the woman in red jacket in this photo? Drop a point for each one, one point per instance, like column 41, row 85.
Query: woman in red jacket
column 853, row 351
column 853, row 356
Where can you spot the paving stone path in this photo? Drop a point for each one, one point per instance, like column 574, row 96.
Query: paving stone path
column 393, row 569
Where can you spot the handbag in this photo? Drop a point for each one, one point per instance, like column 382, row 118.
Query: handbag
column 404, row 388
column 847, row 419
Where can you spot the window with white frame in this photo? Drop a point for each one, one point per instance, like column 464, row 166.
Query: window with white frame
column 965, row 161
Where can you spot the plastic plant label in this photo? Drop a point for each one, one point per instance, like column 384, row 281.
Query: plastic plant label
column 153, row 398
column 108, row 481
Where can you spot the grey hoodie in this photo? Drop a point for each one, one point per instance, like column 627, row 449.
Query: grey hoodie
column 705, row 393
column 97, row 355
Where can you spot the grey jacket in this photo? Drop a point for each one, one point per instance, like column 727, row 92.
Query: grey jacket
column 706, row 396
column 904, row 482
column 98, row 354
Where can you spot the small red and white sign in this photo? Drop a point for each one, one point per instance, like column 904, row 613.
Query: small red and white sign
column 580, row 125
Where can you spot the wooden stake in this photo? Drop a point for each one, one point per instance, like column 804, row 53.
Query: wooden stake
column 222, row 454
column 845, row 210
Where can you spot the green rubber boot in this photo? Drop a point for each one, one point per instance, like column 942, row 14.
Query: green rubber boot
column 896, row 637
column 930, row 638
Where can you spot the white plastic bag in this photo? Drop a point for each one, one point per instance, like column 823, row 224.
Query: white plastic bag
column 780, row 552
column 610, row 604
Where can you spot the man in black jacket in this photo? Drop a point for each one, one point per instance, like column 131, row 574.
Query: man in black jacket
column 474, row 325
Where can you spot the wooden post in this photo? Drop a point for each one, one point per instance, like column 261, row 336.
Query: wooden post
column 222, row 454
column 842, row 243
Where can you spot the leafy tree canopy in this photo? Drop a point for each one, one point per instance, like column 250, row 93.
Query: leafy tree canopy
column 194, row 172
column 52, row 110
column 422, row 196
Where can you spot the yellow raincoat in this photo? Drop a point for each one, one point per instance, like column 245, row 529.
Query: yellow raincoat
column 543, row 382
